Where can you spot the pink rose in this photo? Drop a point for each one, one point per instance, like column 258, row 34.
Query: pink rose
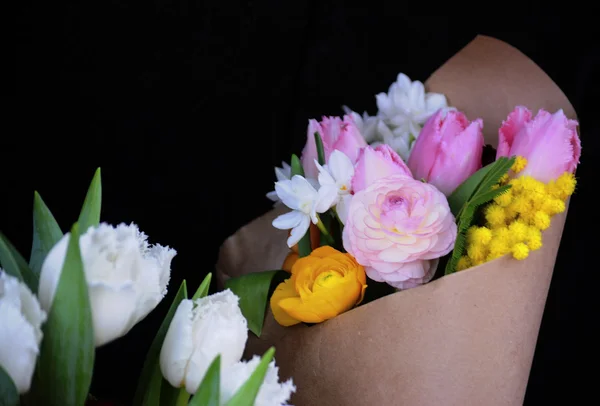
column 448, row 150
column 336, row 133
column 376, row 163
column 398, row 228
column 549, row 142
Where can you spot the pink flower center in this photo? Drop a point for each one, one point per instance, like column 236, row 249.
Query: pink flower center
column 396, row 212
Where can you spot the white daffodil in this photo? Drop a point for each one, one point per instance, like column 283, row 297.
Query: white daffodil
column 271, row 393
column 201, row 330
column 301, row 196
column 283, row 173
column 367, row 125
column 335, row 179
column 21, row 318
column 126, row 277
column 406, row 105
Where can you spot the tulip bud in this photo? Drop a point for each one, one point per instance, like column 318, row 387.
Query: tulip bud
column 549, row 142
column 335, row 133
column 447, row 151
column 200, row 331
column 20, row 330
column 377, row 163
column 126, row 277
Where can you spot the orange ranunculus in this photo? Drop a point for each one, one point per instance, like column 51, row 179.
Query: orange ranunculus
column 289, row 261
column 324, row 284
column 315, row 238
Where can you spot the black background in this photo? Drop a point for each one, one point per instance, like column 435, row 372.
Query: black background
column 187, row 106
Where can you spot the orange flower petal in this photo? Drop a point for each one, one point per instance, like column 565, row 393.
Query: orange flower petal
column 289, row 261
column 282, row 292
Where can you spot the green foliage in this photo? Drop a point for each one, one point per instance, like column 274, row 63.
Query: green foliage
column 464, row 202
column 90, row 211
column 9, row 396
column 14, row 264
column 253, row 290
column 46, row 233
column 246, row 395
column 320, row 149
column 209, row 391
column 65, row 366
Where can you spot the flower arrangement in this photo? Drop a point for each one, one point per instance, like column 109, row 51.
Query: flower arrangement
column 89, row 287
column 381, row 215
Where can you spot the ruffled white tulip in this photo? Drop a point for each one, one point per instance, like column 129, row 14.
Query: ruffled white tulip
column 199, row 332
column 21, row 319
column 271, row 393
column 126, row 277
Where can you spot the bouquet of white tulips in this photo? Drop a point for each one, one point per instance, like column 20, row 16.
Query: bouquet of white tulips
column 89, row 287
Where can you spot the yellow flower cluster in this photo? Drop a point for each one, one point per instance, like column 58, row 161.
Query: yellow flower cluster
column 514, row 221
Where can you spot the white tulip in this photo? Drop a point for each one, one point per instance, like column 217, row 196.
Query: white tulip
column 199, row 332
column 21, row 319
column 126, row 277
column 271, row 392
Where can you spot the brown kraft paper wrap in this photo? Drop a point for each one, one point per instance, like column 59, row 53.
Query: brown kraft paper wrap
column 464, row 339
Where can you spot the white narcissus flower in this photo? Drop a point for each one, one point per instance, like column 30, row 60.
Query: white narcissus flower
column 406, row 105
column 300, row 195
column 335, row 179
column 21, row 318
column 126, row 277
column 200, row 331
column 271, row 393
column 367, row 125
column 283, row 173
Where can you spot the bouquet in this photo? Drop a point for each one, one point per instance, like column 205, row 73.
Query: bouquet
column 89, row 287
column 409, row 254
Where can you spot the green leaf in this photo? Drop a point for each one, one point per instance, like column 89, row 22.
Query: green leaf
column 152, row 363
column 490, row 195
column 296, row 166
column 203, row 288
column 209, row 391
column 246, row 395
column 14, row 264
column 152, row 396
column 92, row 205
column 9, row 396
column 65, row 366
column 304, row 247
column 46, row 233
column 465, row 190
column 253, row 291
column 170, row 396
column 498, row 169
column 320, row 149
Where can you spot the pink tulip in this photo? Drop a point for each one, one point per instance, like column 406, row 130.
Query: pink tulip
column 447, row 151
column 336, row 133
column 377, row 163
column 549, row 142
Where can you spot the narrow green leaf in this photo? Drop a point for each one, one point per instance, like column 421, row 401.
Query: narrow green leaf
column 320, row 149
column 92, row 205
column 46, row 233
column 14, row 264
column 246, row 395
column 170, row 396
column 304, row 246
column 152, row 396
column 9, row 396
column 499, row 168
column 465, row 190
column 253, row 291
column 209, row 391
column 296, row 166
column 488, row 196
column 152, row 357
column 203, row 288
column 65, row 366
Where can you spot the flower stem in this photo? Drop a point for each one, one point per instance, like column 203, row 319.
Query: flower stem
column 322, row 227
column 183, row 398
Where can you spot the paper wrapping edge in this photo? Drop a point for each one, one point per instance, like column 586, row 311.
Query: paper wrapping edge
column 466, row 338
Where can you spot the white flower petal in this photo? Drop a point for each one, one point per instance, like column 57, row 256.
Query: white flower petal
column 342, row 208
column 341, row 167
column 328, row 197
column 178, row 345
column 299, row 231
column 287, row 194
column 289, row 220
column 273, row 196
column 219, row 328
column 20, row 330
column 325, row 177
